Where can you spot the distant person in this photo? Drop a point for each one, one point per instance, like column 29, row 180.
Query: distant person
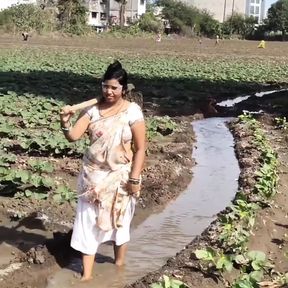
column 159, row 37
column 262, row 44
column 200, row 40
column 25, row 36
column 217, row 40
column 167, row 27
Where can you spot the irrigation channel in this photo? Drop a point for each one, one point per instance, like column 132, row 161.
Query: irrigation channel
column 162, row 235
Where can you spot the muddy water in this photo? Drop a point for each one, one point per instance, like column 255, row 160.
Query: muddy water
column 162, row 235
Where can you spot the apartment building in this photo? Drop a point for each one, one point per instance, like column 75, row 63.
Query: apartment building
column 102, row 12
column 223, row 9
column 256, row 8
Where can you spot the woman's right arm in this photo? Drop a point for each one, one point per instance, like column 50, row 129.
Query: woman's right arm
column 74, row 133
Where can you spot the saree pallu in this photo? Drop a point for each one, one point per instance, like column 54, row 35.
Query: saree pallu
column 106, row 168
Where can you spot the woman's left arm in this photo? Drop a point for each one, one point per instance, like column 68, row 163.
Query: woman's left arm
column 139, row 137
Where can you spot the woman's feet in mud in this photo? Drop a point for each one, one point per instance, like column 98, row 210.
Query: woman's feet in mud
column 86, row 279
column 82, row 278
column 119, row 263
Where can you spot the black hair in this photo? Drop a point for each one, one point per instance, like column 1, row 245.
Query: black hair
column 115, row 71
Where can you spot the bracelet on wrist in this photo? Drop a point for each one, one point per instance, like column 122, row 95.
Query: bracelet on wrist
column 134, row 181
column 66, row 129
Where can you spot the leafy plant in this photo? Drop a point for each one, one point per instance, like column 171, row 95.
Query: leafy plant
column 219, row 260
column 160, row 126
column 281, row 123
column 63, row 194
column 169, row 283
column 41, row 166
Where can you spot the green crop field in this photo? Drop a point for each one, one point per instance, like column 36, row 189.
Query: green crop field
column 35, row 83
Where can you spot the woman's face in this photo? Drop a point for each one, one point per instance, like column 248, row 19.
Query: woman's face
column 112, row 90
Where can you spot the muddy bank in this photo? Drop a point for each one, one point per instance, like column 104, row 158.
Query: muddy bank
column 184, row 265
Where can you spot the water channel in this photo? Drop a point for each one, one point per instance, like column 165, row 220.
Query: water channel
column 162, row 235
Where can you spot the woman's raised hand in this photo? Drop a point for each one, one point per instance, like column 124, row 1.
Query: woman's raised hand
column 66, row 113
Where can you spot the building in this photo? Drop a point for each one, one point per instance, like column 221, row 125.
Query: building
column 256, row 8
column 223, row 9
column 4, row 4
column 102, row 12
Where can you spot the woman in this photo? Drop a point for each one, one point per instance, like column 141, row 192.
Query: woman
column 110, row 178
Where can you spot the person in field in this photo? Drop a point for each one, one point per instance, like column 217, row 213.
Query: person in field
column 25, row 36
column 110, row 179
column 217, row 41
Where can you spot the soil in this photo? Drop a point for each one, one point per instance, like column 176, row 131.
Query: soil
column 167, row 172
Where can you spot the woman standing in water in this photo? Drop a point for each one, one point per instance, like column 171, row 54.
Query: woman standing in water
column 110, row 179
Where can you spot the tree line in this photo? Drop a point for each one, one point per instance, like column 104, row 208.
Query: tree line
column 70, row 16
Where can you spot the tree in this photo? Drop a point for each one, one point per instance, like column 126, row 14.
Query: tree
column 278, row 17
column 188, row 19
column 26, row 17
column 122, row 8
column 238, row 24
column 208, row 25
column 148, row 22
column 72, row 16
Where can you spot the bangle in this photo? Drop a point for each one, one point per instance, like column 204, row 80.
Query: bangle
column 134, row 181
column 66, row 129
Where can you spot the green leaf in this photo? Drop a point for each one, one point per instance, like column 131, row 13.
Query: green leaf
column 256, row 255
column 24, row 176
column 207, row 254
column 255, row 265
column 256, row 276
column 28, row 193
column 240, row 259
column 47, row 182
column 156, row 285
column 166, row 281
column 57, row 197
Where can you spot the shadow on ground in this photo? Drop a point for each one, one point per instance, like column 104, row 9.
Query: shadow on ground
column 175, row 97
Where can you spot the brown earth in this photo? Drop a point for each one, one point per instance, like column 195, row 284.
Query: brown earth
column 173, row 45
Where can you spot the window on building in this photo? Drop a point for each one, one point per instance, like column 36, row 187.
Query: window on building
column 103, row 16
column 251, row 10
column 142, row 2
column 257, row 1
column 252, row 1
column 257, row 10
column 94, row 15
